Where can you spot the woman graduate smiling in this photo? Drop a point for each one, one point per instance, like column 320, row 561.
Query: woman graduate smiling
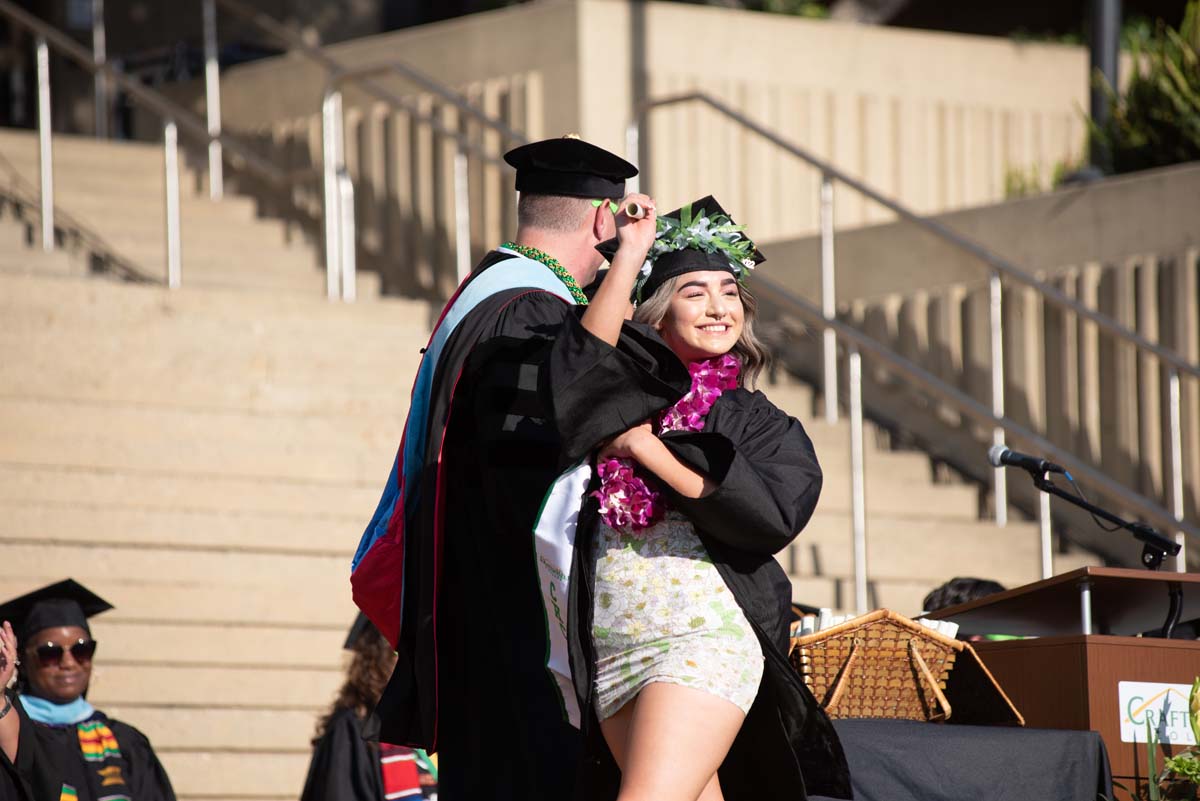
column 679, row 612
column 68, row 749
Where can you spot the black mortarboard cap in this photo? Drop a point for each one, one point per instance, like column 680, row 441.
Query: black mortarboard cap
column 569, row 166
column 689, row 260
column 67, row 603
column 361, row 628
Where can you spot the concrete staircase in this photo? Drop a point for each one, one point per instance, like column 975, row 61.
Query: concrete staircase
column 206, row 459
column 116, row 192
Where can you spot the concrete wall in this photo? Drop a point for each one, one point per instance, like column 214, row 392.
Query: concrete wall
column 933, row 119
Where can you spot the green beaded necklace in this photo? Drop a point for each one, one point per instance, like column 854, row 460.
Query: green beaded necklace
column 555, row 267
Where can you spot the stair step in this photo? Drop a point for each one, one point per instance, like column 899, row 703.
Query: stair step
column 38, row 262
column 211, row 443
column 154, row 643
column 317, row 573
column 185, row 493
column 893, row 495
column 230, row 687
column 180, row 728
column 837, row 593
column 899, row 548
column 208, row 601
column 234, row 776
column 24, row 298
column 74, row 522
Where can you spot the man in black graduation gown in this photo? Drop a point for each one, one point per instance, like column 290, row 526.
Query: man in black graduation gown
column 456, row 518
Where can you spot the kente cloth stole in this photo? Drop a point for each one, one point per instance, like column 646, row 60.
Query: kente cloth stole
column 99, row 746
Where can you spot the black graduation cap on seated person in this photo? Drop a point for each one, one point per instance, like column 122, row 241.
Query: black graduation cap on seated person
column 569, row 166
column 67, row 603
column 692, row 238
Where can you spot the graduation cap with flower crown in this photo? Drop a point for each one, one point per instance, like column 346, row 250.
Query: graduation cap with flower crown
column 698, row 236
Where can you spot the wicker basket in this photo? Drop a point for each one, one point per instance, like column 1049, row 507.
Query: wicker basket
column 880, row 665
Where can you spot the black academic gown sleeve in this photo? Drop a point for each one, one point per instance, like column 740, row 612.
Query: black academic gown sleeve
column 38, row 768
column 598, row 391
column 343, row 767
column 767, row 475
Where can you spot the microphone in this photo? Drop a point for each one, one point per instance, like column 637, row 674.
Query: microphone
column 1000, row 456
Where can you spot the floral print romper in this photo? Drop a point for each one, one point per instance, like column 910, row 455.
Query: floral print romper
column 664, row 614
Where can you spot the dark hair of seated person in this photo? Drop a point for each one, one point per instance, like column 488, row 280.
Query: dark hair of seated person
column 369, row 671
column 960, row 590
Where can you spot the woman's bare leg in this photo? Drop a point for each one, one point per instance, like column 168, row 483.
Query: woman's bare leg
column 669, row 742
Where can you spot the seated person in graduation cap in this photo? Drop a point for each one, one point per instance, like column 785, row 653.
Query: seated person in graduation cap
column 67, row 748
column 349, row 763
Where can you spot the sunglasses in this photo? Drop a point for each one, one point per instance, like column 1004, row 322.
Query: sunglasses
column 612, row 205
column 51, row 654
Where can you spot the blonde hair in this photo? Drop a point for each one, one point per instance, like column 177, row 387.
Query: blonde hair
column 749, row 349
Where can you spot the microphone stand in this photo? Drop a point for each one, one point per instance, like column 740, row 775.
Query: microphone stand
column 1155, row 547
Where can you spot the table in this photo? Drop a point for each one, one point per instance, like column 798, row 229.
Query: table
column 904, row 760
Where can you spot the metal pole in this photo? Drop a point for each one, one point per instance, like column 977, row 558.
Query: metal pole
column 632, row 137
column 858, row 503
column 171, row 163
column 828, row 301
column 1103, row 47
column 331, row 118
column 462, row 216
column 1176, row 437
column 212, row 102
column 100, row 55
column 1044, row 530
column 999, row 484
column 45, row 148
column 1085, row 605
column 346, row 233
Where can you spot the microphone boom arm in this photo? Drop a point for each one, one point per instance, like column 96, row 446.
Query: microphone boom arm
column 1155, row 548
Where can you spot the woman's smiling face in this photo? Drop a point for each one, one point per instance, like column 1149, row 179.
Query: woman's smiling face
column 705, row 316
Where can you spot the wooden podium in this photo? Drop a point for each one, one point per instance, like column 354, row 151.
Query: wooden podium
column 1085, row 623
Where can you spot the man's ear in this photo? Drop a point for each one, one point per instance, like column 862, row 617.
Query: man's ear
column 600, row 225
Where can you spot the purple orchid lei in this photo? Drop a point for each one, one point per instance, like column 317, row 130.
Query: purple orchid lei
column 627, row 502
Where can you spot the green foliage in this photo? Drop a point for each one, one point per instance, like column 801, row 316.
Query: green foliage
column 1153, row 793
column 1194, row 710
column 1184, row 766
column 797, row 8
column 1156, row 121
column 1022, row 182
column 1028, row 182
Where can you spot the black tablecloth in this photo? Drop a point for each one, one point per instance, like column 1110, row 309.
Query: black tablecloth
column 901, row 760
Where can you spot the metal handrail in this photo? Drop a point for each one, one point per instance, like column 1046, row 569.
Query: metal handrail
column 339, row 224
column 173, row 115
column 856, row 341
column 165, row 108
column 937, row 228
column 1174, row 363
